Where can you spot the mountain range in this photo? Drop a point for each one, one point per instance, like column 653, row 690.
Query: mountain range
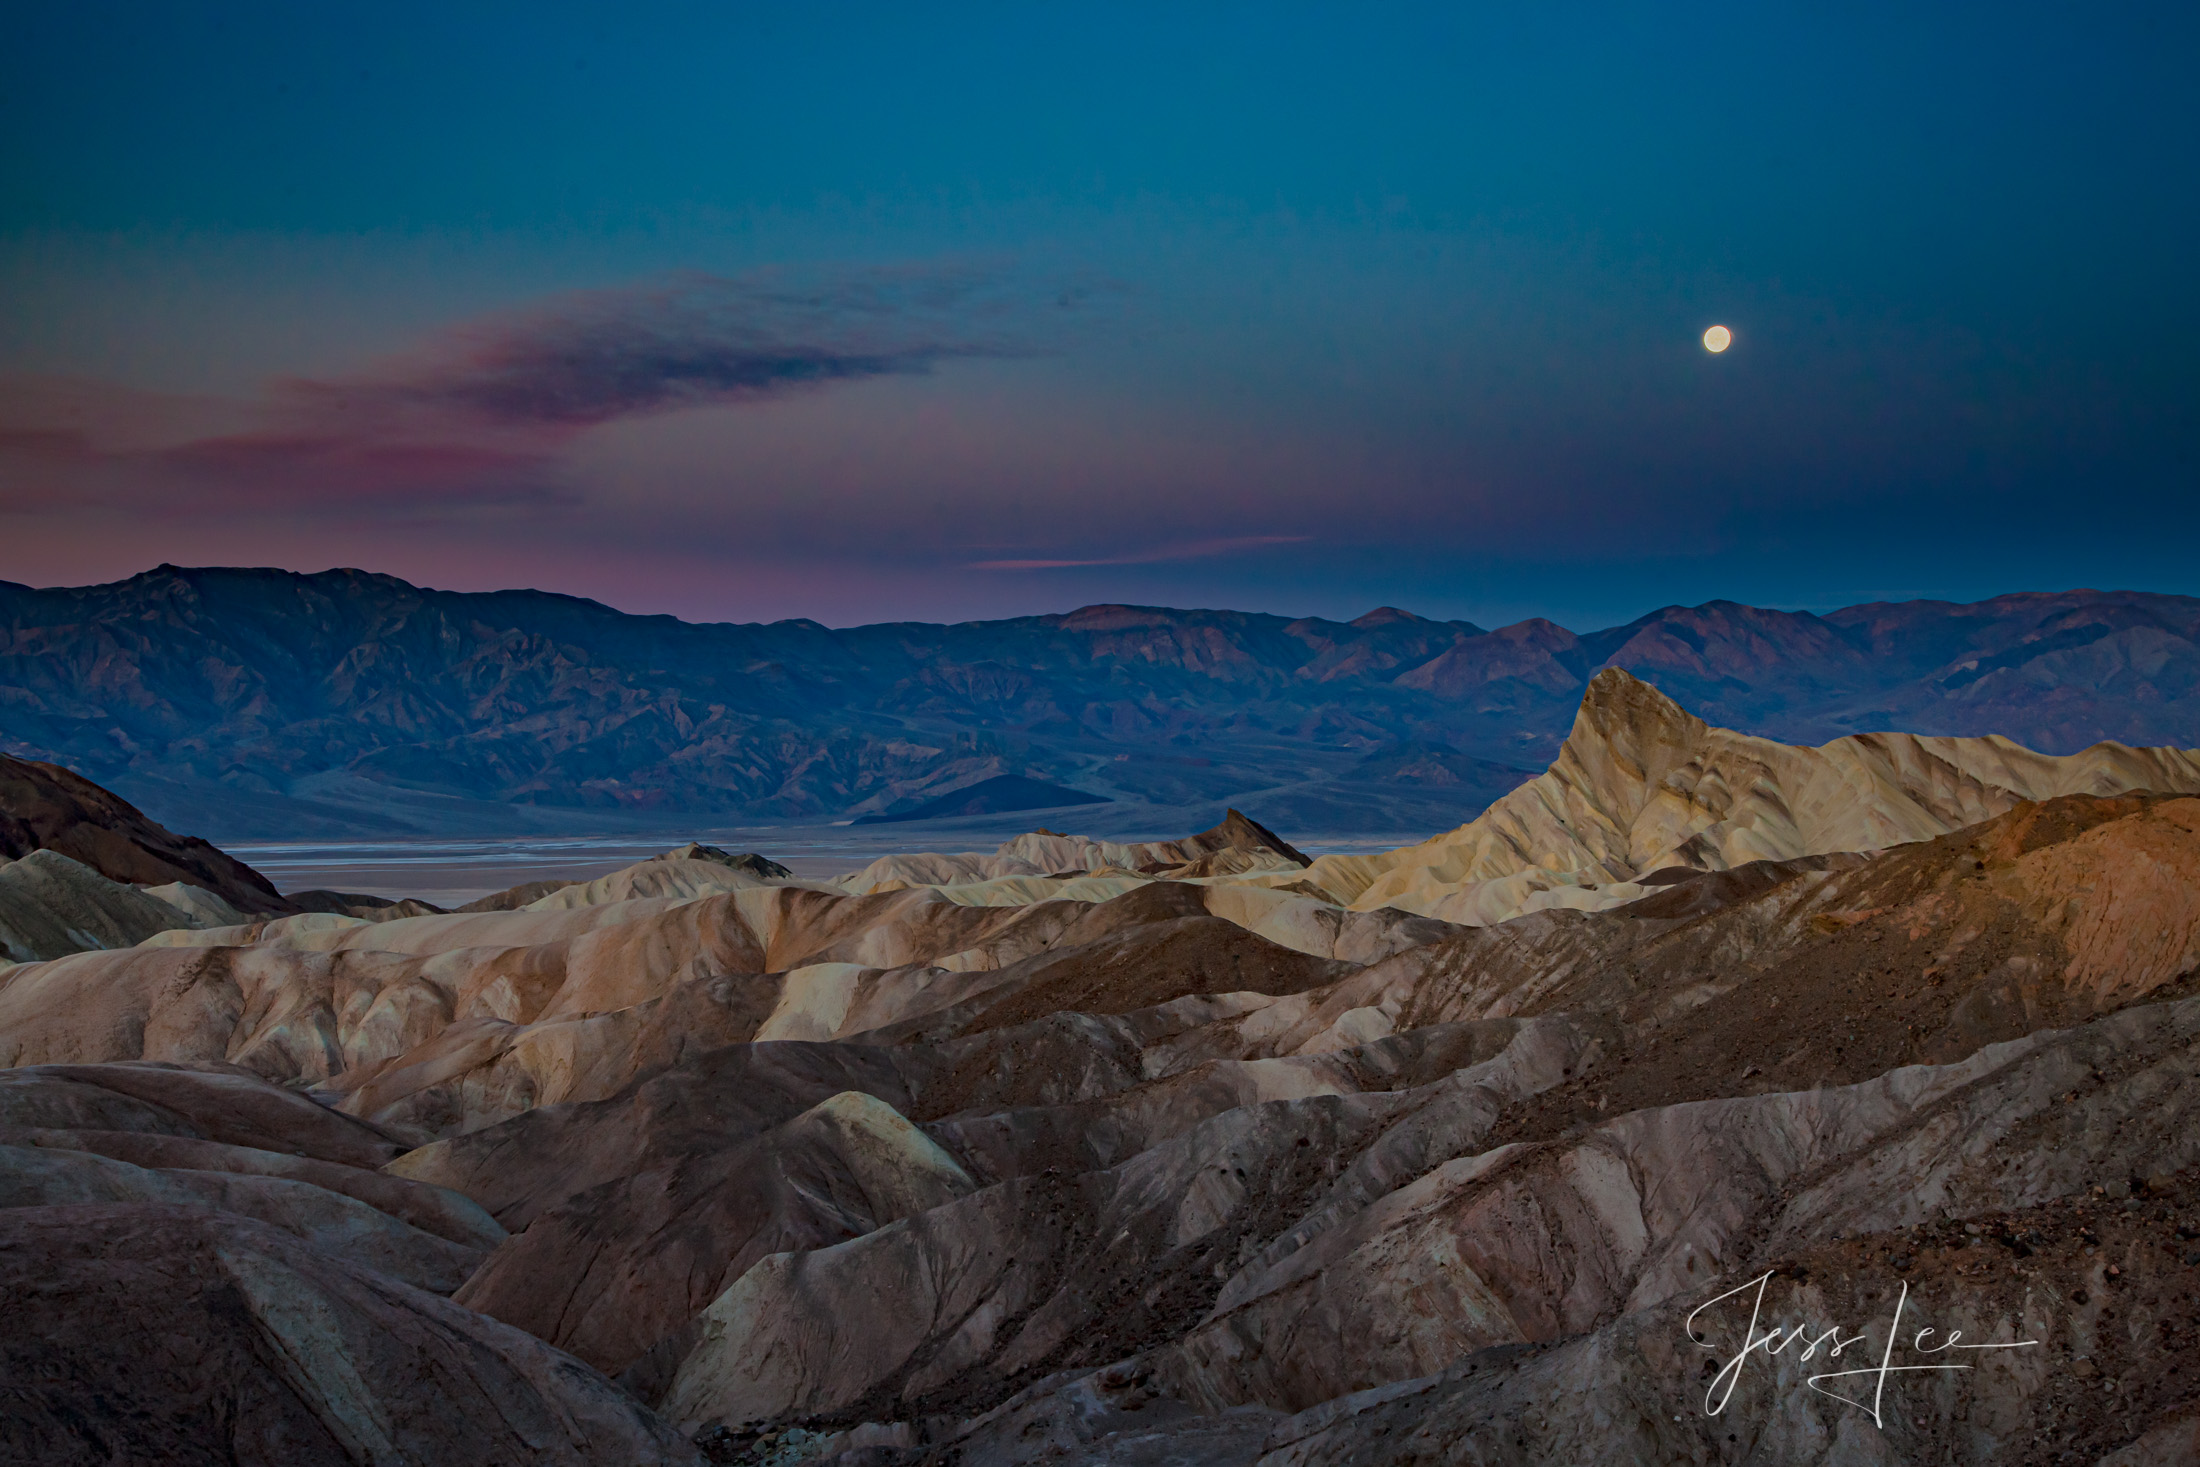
column 245, row 702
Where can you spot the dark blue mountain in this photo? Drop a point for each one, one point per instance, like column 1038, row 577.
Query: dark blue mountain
column 262, row 702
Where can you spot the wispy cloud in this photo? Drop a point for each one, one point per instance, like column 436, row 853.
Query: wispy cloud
column 1185, row 550
column 476, row 415
column 579, row 360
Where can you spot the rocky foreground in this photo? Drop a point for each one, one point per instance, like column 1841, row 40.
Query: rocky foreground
column 1184, row 1152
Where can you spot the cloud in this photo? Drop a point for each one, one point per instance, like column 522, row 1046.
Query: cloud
column 272, row 470
column 477, row 414
column 1187, row 550
column 260, row 477
column 588, row 358
column 295, row 475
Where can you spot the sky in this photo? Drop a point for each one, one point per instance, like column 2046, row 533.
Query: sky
column 868, row 312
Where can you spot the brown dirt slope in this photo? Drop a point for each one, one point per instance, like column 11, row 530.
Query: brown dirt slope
column 1153, row 964
column 175, row 1335
column 47, row 807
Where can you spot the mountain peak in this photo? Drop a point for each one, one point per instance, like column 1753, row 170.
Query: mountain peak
column 1383, row 616
column 1643, row 785
column 1617, row 707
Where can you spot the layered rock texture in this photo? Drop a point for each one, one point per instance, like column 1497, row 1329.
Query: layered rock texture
column 1203, row 1151
column 265, row 703
column 51, row 905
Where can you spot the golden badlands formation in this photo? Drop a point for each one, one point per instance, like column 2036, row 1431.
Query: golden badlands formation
column 1196, row 1151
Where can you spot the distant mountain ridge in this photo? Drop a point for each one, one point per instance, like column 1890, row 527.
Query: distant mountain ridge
column 269, row 702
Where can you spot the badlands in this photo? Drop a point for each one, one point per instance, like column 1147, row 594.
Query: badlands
column 1194, row 1151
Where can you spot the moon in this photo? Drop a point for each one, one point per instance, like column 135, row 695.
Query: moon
column 1717, row 339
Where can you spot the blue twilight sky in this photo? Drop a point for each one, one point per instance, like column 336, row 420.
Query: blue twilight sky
column 864, row 312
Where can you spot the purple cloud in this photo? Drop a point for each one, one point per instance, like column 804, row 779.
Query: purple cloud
column 478, row 414
column 589, row 358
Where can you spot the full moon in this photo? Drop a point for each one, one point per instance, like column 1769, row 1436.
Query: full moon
column 1718, row 338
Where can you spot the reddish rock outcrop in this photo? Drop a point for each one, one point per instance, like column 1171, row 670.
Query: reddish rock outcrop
column 46, row 807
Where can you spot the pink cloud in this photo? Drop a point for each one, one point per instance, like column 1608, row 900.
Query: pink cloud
column 479, row 414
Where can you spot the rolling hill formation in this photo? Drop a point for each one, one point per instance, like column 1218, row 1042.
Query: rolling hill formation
column 1501, row 1148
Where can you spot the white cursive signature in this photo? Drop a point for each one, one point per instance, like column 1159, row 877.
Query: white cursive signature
column 1776, row 1341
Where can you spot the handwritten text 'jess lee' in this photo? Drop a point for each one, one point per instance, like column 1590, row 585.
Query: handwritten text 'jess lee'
column 1777, row 1341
